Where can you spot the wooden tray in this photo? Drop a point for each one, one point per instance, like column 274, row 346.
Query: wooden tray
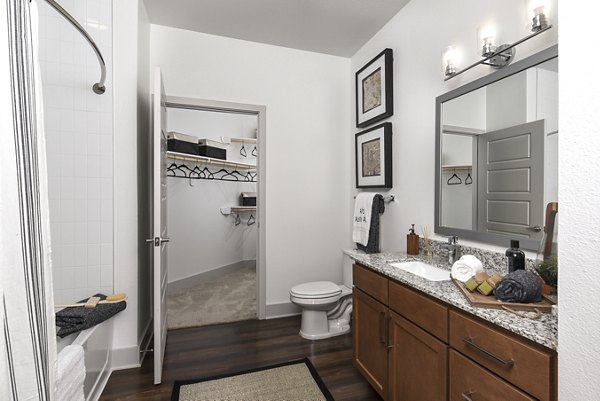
column 477, row 299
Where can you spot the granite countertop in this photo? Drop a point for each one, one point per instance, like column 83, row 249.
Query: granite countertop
column 543, row 331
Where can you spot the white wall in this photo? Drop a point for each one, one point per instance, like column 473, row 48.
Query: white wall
column 579, row 191
column 507, row 102
column 202, row 239
column 418, row 80
column 457, row 200
column 130, row 127
column 466, row 111
column 79, row 140
column 144, row 176
column 308, row 133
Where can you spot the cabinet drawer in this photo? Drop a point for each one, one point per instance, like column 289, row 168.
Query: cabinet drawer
column 424, row 312
column 469, row 381
column 509, row 357
column 371, row 282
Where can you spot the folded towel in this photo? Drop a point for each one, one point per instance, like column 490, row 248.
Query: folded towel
column 363, row 206
column 519, row 286
column 70, row 374
column 466, row 267
column 376, row 210
column 72, row 320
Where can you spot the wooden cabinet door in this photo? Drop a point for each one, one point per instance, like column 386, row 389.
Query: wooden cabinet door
column 369, row 335
column 418, row 363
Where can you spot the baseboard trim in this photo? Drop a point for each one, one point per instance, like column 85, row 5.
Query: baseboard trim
column 125, row 358
column 145, row 341
column 194, row 280
column 282, row 309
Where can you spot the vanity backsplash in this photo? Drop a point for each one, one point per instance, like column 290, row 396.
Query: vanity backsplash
column 492, row 261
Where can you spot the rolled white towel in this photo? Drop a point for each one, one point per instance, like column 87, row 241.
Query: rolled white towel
column 466, row 267
column 70, row 374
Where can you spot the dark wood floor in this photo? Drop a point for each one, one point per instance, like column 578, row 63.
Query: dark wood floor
column 225, row 348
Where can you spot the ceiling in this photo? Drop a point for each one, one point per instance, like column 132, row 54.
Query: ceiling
column 337, row 27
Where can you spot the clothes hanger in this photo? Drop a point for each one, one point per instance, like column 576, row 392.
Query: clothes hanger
column 250, row 177
column 173, row 167
column 237, row 220
column 243, row 151
column 453, row 177
column 469, row 179
column 251, row 220
column 254, row 152
column 230, row 174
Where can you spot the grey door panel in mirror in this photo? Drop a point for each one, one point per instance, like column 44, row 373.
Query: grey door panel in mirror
column 511, row 171
column 499, row 136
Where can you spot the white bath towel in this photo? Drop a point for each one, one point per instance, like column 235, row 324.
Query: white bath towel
column 466, row 267
column 362, row 217
column 70, row 374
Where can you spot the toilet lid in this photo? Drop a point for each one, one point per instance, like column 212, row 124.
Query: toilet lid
column 316, row 289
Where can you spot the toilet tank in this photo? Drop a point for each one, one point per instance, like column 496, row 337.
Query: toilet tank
column 347, row 271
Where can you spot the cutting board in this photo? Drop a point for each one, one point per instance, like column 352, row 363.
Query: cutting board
column 477, row 299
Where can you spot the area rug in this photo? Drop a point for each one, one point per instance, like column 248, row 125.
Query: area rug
column 294, row 380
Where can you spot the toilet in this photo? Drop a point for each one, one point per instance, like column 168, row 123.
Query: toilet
column 326, row 306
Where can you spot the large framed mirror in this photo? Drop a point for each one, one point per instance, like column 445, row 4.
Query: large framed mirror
column 497, row 153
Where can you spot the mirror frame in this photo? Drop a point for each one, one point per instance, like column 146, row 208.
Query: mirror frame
column 496, row 239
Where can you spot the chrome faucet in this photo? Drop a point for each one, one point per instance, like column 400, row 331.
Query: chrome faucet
column 453, row 249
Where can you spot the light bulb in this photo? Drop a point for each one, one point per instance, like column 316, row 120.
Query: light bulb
column 486, row 35
column 539, row 14
column 449, row 61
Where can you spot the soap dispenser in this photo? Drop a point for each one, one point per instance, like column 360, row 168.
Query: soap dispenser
column 412, row 242
column 515, row 257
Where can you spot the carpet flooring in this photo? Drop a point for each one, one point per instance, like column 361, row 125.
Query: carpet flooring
column 294, row 380
column 228, row 298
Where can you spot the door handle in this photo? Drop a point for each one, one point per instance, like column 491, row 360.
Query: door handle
column 157, row 241
column 467, row 395
column 536, row 229
column 382, row 327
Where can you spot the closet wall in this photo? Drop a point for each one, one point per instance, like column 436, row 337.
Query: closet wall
column 203, row 239
column 79, row 145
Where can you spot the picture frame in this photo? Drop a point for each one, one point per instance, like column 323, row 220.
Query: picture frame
column 374, row 89
column 373, row 151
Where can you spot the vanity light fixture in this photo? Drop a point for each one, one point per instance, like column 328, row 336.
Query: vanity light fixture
column 499, row 56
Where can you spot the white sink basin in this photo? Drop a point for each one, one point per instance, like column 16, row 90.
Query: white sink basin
column 424, row 270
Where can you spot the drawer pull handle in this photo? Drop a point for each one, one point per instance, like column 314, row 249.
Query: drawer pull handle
column 467, row 396
column 504, row 362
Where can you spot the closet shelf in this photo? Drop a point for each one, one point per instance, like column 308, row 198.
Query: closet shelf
column 227, row 210
column 209, row 160
column 238, row 140
column 456, row 168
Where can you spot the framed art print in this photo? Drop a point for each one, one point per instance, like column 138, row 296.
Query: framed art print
column 374, row 157
column 374, row 90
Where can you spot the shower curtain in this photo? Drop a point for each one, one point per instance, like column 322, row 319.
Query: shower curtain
column 27, row 342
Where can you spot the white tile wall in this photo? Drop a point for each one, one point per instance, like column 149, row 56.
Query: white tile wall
column 79, row 138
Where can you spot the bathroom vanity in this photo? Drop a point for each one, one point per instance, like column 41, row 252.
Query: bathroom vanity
column 416, row 339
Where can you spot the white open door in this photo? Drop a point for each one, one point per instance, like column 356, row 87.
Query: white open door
column 160, row 239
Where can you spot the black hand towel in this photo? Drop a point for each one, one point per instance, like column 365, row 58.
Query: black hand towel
column 72, row 320
column 519, row 286
column 377, row 209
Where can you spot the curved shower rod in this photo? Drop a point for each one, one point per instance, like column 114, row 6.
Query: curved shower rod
column 99, row 87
